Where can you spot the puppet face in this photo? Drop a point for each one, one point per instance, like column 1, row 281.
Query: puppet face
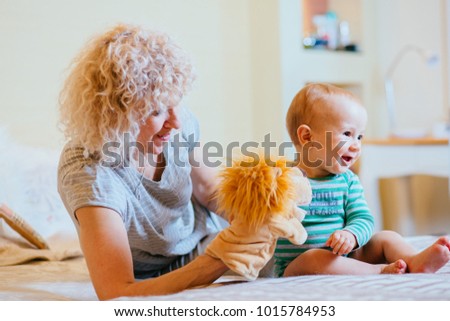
column 255, row 191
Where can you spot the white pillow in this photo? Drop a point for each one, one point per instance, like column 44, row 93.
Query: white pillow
column 28, row 185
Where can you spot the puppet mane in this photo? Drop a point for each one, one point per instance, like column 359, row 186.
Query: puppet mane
column 253, row 189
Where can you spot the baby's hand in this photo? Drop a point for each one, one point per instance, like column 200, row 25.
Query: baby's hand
column 342, row 242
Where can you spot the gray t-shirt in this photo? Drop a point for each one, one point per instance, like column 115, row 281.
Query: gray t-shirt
column 164, row 223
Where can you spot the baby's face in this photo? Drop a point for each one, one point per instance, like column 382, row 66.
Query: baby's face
column 336, row 135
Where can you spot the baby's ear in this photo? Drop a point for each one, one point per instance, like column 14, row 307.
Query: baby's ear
column 304, row 134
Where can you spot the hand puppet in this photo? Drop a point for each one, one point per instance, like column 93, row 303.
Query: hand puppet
column 260, row 198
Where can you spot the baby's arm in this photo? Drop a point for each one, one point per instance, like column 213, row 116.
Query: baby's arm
column 358, row 220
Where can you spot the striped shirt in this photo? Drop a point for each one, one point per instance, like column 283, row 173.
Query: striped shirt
column 338, row 203
column 164, row 224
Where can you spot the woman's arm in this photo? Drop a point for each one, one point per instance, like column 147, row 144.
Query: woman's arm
column 104, row 241
column 204, row 179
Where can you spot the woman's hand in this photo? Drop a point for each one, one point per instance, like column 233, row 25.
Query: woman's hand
column 342, row 242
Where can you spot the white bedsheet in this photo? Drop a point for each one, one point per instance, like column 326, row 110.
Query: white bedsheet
column 69, row 280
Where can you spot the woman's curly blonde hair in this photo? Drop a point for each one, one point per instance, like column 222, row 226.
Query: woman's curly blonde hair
column 118, row 80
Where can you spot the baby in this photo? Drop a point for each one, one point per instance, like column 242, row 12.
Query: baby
column 326, row 125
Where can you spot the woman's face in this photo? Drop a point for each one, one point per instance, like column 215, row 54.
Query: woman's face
column 157, row 129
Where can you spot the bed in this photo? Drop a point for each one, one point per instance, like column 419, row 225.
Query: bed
column 60, row 273
column 66, row 278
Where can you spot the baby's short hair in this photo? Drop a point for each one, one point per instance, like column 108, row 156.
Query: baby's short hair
column 306, row 103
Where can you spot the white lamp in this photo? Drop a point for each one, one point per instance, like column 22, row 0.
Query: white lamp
column 428, row 57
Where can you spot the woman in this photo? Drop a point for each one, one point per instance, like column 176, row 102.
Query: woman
column 141, row 209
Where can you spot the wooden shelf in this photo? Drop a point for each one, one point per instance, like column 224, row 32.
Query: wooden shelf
column 407, row 141
column 331, row 14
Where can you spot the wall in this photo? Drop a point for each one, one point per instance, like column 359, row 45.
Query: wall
column 421, row 91
column 266, row 67
column 247, row 52
column 385, row 26
column 298, row 66
column 39, row 39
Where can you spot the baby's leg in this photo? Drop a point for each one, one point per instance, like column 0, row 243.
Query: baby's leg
column 388, row 247
column 319, row 261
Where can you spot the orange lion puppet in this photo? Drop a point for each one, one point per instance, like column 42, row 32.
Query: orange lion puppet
column 259, row 196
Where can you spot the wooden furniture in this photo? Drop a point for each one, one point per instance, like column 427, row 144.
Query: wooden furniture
column 397, row 157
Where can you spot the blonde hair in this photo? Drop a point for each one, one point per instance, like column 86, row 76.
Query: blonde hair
column 307, row 101
column 119, row 79
column 254, row 189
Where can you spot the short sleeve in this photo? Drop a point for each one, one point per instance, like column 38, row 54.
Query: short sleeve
column 190, row 130
column 83, row 182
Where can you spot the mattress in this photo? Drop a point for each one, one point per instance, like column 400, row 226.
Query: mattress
column 69, row 280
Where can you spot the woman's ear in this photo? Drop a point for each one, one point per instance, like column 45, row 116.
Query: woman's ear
column 304, row 134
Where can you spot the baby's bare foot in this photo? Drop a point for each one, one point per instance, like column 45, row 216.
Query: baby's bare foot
column 398, row 267
column 432, row 258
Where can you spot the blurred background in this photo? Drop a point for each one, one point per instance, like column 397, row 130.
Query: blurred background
column 252, row 56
